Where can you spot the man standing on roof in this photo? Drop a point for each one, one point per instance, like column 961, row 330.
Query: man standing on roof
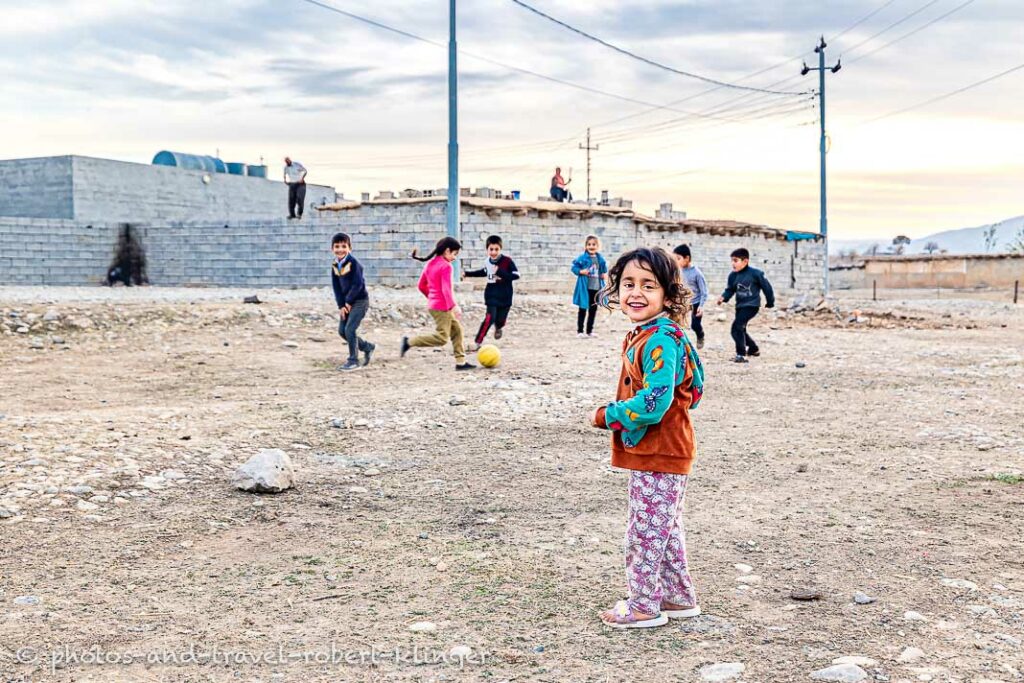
column 295, row 179
column 559, row 189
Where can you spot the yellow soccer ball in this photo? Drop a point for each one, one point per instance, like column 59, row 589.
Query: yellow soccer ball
column 489, row 356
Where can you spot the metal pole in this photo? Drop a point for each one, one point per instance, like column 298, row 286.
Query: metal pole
column 453, row 128
column 823, row 222
column 1016, row 289
column 874, row 290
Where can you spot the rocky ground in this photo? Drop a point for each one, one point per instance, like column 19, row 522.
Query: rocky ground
column 467, row 527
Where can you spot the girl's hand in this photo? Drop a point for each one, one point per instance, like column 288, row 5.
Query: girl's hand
column 593, row 417
column 585, row 271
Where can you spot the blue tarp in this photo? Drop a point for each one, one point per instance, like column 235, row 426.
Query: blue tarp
column 794, row 236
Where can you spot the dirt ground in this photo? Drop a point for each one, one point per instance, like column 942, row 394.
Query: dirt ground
column 483, row 504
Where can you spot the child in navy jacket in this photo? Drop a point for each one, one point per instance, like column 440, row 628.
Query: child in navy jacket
column 352, row 298
column 500, row 272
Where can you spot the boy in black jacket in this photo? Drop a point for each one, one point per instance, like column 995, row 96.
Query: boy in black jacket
column 352, row 299
column 500, row 272
column 747, row 284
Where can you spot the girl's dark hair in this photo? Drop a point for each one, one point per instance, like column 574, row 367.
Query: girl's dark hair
column 665, row 271
column 443, row 245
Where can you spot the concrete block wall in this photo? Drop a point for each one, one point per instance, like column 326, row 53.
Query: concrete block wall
column 36, row 188
column 94, row 190
column 281, row 253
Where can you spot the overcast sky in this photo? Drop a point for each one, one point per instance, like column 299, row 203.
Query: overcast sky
column 366, row 110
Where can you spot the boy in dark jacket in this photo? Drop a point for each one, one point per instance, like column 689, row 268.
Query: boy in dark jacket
column 747, row 284
column 500, row 272
column 352, row 299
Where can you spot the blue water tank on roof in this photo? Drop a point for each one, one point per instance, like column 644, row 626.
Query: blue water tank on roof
column 236, row 168
column 191, row 162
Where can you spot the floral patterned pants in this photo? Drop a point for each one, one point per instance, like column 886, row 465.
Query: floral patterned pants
column 656, row 542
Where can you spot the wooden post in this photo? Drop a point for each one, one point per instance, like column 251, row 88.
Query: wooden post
column 874, row 290
column 1016, row 290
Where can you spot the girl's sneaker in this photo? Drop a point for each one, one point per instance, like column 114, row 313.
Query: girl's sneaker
column 740, row 359
column 404, row 348
column 580, row 335
column 590, row 335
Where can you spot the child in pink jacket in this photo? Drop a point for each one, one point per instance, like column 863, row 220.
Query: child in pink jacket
column 436, row 285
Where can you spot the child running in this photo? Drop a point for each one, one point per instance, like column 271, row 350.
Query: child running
column 747, row 284
column 352, row 299
column 436, row 284
column 698, row 286
column 500, row 272
column 661, row 381
column 591, row 271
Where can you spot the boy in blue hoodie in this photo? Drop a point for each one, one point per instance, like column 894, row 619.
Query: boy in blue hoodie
column 501, row 272
column 746, row 284
column 352, row 298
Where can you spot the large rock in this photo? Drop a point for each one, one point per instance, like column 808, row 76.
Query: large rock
column 269, row 471
column 722, row 672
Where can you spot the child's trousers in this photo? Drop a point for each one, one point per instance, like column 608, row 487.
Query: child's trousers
column 448, row 327
column 744, row 343
column 496, row 315
column 656, row 568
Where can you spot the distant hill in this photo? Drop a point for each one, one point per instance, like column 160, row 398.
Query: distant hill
column 962, row 241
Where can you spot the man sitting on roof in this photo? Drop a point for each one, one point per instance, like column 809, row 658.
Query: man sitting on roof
column 559, row 191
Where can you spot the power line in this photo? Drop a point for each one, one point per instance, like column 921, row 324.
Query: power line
column 892, row 25
column 495, row 62
column 858, row 22
column 645, row 60
column 915, row 31
column 947, row 95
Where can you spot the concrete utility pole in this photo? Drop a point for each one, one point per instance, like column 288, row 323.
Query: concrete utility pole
column 453, row 128
column 589, row 149
column 821, row 68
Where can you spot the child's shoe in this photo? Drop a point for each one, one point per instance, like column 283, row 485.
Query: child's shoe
column 740, row 359
column 405, row 347
column 465, row 366
column 350, row 365
column 580, row 335
column 368, row 353
column 700, row 342
column 754, row 352
column 497, row 333
column 679, row 611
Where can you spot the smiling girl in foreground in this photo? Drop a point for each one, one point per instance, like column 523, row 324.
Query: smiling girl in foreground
column 662, row 379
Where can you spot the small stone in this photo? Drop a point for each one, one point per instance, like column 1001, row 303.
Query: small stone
column 51, row 315
column 80, row 490
column 805, row 594
column 842, row 673
column 457, row 401
column 749, row 579
column 960, row 583
column 423, row 535
column 1007, row 638
column 371, row 472
column 36, row 344
column 5, row 513
column 910, row 655
column 57, row 340
column 862, row 598
column 269, row 471
column 441, row 566
column 460, row 651
column 27, row 600
column 743, row 568
column 802, row 467
column 339, row 423
column 173, row 474
column 722, row 672
column 423, row 627
column 86, row 506
column 801, row 365
column 358, row 489
column 911, row 615
column 856, row 660
column 290, row 344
